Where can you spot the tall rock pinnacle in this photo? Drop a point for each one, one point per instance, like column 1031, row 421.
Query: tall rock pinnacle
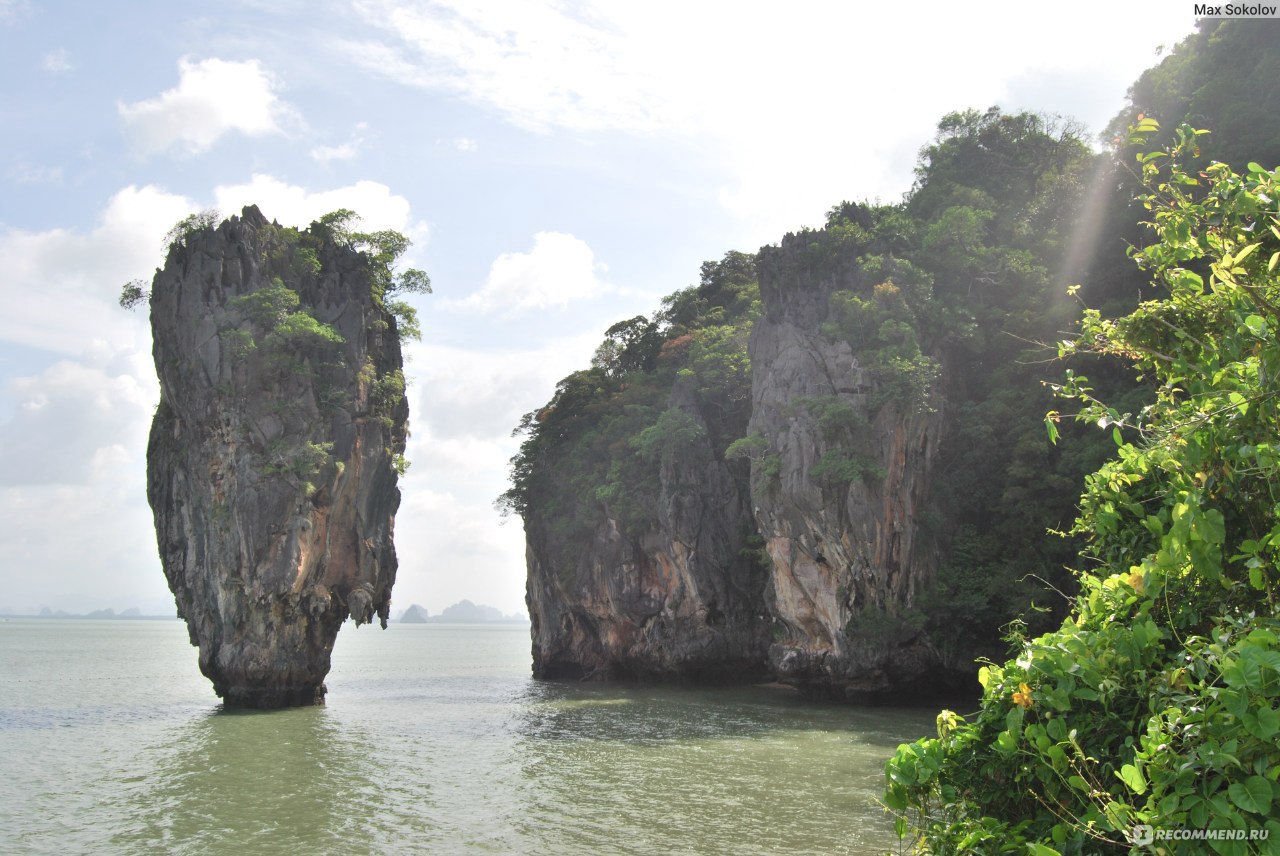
column 274, row 452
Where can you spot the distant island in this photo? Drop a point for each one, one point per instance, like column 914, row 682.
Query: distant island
column 462, row 612
column 131, row 614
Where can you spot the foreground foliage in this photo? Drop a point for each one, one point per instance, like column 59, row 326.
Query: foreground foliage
column 1156, row 701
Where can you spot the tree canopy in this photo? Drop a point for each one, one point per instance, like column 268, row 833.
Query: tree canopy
column 1155, row 701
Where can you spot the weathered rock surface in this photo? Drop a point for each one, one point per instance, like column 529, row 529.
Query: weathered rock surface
column 848, row 558
column 680, row 597
column 270, row 463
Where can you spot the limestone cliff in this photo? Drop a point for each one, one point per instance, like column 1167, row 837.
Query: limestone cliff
column 271, row 465
column 839, row 497
column 674, row 593
column 642, row 555
column 901, row 483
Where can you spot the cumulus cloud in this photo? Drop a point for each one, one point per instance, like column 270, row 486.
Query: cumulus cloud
column 451, row 549
column 537, row 63
column 78, row 419
column 74, row 423
column 213, row 97
column 293, row 205
column 83, row 547
column 60, row 286
column 800, row 108
column 560, row 269
column 463, row 405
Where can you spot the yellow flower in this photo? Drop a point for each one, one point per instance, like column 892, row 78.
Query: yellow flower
column 1022, row 698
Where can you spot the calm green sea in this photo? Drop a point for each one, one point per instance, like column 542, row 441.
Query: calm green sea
column 435, row 740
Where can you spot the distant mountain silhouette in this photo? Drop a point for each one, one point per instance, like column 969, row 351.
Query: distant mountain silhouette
column 462, row 612
column 415, row 615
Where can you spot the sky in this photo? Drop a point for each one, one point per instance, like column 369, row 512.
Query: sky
column 559, row 166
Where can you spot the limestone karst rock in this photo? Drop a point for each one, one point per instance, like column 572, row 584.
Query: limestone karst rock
column 677, row 596
column 271, row 468
column 780, row 529
column 849, row 555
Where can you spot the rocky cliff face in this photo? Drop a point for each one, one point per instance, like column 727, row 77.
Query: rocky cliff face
column 681, row 566
column 678, row 595
column 839, row 498
column 271, row 460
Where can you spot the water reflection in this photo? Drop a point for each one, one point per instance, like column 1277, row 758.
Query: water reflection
column 435, row 740
column 749, row 770
column 252, row 782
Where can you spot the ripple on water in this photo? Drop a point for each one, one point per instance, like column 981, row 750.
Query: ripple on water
column 434, row 740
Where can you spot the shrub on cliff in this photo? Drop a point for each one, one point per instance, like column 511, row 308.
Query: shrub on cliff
column 1155, row 703
column 591, row 453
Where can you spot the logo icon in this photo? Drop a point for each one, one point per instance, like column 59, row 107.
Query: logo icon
column 1142, row 834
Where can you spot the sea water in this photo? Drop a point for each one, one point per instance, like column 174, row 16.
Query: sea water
column 434, row 740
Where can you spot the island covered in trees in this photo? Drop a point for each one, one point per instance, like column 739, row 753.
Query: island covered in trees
column 854, row 462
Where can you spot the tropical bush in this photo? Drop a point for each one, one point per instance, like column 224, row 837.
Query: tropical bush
column 1156, row 701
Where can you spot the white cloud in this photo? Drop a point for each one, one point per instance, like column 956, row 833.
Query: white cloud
column 72, row 468
column 465, row 144
column 213, row 97
column 344, row 151
column 60, row 287
column 801, row 108
column 73, row 437
column 57, row 61
column 450, row 550
column 463, row 405
column 77, row 420
column 83, row 547
column 560, row 269
column 292, row 205
column 533, row 61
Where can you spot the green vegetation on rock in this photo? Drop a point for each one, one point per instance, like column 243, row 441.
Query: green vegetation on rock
column 1155, row 702
column 593, row 451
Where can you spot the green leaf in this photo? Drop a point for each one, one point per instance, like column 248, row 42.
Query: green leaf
column 1133, row 778
column 1036, row 849
column 1257, row 325
column 1246, row 252
column 1252, row 795
column 1263, row 723
column 1257, row 579
column 1244, row 673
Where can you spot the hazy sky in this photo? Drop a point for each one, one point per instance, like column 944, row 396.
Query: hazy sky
column 559, row 166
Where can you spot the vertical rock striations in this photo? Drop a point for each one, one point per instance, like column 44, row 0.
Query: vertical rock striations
column 671, row 594
column 642, row 555
column 900, row 478
column 271, row 468
column 839, row 496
